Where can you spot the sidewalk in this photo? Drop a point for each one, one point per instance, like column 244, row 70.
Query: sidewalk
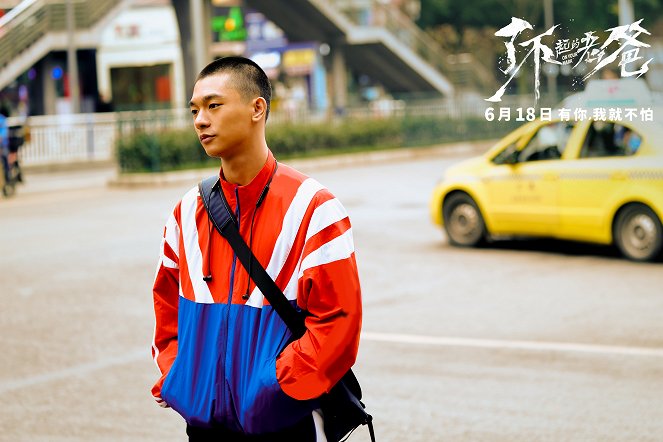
column 39, row 180
column 42, row 180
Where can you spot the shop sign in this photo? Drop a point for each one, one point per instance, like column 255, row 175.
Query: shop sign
column 269, row 62
column 228, row 24
column 262, row 34
column 299, row 61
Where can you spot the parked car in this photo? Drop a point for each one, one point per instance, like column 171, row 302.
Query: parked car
column 592, row 181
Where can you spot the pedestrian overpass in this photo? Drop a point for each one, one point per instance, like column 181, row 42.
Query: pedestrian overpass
column 389, row 47
column 36, row 27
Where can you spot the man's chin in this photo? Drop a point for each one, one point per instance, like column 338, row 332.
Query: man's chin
column 212, row 152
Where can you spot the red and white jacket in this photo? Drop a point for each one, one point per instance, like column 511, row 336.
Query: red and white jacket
column 229, row 360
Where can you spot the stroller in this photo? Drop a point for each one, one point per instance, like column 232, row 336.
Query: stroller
column 12, row 169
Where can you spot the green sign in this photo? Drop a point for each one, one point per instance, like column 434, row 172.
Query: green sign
column 229, row 27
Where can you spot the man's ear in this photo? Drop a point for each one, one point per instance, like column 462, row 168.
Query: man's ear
column 259, row 109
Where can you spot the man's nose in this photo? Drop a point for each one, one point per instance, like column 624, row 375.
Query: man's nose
column 201, row 120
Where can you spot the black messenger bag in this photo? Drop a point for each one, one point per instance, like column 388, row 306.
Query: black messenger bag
column 342, row 408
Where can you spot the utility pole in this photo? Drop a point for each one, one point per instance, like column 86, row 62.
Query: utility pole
column 72, row 61
column 551, row 77
column 626, row 14
column 200, row 33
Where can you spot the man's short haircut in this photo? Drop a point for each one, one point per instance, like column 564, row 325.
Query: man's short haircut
column 247, row 77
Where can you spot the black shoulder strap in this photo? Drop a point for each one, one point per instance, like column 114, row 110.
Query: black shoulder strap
column 222, row 219
column 345, row 411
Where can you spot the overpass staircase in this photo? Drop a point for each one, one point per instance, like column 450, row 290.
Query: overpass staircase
column 36, row 27
column 390, row 47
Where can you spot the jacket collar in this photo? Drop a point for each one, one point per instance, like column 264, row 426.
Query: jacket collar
column 249, row 193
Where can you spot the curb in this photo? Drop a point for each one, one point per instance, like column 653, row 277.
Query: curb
column 74, row 166
column 134, row 180
column 393, row 155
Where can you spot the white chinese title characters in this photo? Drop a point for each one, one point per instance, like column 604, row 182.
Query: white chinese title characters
column 583, row 49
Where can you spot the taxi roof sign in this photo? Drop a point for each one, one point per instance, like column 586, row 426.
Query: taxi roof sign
column 611, row 93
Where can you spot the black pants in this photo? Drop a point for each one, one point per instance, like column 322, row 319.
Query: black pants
column 302, row 432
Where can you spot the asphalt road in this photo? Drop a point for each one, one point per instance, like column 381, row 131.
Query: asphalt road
column 520, row 341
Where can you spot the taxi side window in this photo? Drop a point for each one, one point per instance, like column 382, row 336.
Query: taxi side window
column 509, row 155
column 548, row 143
column 610, row 140
column 627, row 140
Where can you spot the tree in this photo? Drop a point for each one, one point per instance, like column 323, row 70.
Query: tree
column 578, row 16
column 469, row 26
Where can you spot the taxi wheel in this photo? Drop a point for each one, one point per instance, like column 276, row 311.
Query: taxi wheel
column 638, row 233
column 463, row 221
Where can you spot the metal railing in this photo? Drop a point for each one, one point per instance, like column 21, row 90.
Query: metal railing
column 91, row 137
column 62, row 139
column 32, row 20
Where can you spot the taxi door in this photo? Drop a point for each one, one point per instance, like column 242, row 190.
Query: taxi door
column 596, row 174
column 523, row 185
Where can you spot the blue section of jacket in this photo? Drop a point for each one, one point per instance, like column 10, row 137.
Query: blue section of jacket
column 234, row 348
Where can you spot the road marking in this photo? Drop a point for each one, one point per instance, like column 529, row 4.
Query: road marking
column 75, row 371
column 512, row 345
column 397, row 338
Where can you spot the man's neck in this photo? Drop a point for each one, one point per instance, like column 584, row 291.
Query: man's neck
column 242, row 168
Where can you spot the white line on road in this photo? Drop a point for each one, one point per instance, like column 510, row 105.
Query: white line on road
column 77, row 370
column 511, row 345
column 84, row 369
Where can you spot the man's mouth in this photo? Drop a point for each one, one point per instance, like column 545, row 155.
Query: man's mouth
column 205, row 138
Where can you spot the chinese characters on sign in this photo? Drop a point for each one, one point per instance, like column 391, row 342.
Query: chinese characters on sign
column 622, row 41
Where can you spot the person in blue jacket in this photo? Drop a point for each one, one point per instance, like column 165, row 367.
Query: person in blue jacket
column 4, row 141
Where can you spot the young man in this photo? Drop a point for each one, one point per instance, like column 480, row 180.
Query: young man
column 229, row 364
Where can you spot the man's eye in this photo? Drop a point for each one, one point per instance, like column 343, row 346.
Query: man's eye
column 213, row 105
column 194, row 112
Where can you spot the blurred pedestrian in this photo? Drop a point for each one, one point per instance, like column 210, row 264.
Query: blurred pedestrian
column 229, row 364
column 4, row 144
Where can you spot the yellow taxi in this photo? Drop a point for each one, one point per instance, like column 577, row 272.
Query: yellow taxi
column 597, row 181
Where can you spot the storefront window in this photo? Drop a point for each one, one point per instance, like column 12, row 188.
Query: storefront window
column 144, row 87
